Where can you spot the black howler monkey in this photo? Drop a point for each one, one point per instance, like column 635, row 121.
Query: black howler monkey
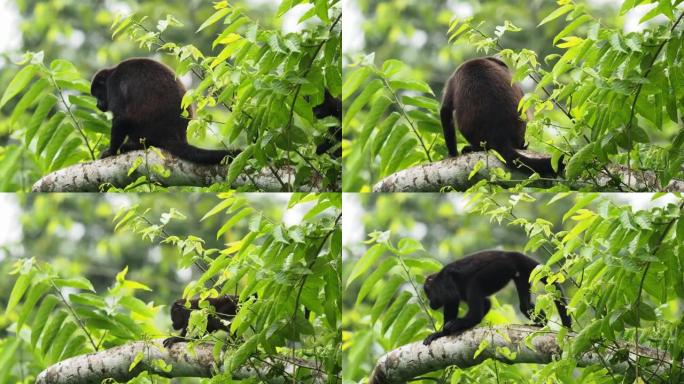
column 331, row 106
column 477, row 276
column 145, row 98
column 485, row 101
column 225, row 308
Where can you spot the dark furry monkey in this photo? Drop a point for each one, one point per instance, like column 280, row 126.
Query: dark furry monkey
column 332, row 142
column 225, row 309
column 145, row 98
column 485, row 101
column 477, row 276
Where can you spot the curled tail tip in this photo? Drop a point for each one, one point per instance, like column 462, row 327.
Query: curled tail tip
column 541, row 165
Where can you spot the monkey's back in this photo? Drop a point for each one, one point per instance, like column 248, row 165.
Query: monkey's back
column 148, row 95
column 485, row 104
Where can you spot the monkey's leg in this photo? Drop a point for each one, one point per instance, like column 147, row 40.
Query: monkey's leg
column 119, row 132
column 447, row 116
column 523, row 287
column 487, row 306
column 478, row 305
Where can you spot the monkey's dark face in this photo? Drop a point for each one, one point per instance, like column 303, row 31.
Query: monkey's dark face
column 429, row 287
column 98, row 88
column 179, row 315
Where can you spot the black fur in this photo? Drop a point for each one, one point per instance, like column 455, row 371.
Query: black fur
column 145, row 98
column 477, row 276
column 331, row 106
column 485, row 101
column 225, row 308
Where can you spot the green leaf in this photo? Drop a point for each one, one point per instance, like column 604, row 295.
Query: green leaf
column 220, row 207
column 238, row 358
column 52, row 330
column 321, row 7
column 237, row 165
column 48, row 131
column 390, row 289
column 379, row 273
column 35, row 293
column 18, row 83
column 394, row 309
column 366, row 261
column 18, row 290
column 408, row 246
column 75, row 282
column 480, row 348
column 41, row 317
column 383, row 131
column 582, row 342
column 400, row 154
column 578, row 161
column 378, row 107
column 571, row 27
column 360, row 101
column 557, row 13
column 137, row 306
column 237, row 217
column 354, row 80
column 411, row 85
column 29, row 98
column 404, row 318
column 57, row 346
column 214, row 18
column 69, row 149
column 9, row 165
column 38, row 117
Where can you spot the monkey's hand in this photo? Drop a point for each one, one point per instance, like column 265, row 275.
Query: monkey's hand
column 432, row 337
column 172, row 340
column 106, row 153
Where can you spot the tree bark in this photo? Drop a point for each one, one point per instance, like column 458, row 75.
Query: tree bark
column 454, row 173
column 412, row 360
column 115, row 362
column 91, row 176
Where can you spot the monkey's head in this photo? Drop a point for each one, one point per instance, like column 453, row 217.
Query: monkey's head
column 429, row 286
column 98, row 88
column 179, row 314
column 440, row 290
column 498, row 61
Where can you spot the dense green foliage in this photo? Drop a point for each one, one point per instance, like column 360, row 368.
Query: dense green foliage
column 256, row 89
column 606, row 97
column 621, row 266
column 279, row 256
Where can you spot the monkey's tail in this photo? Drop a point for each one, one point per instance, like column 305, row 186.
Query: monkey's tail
column 561, row 305
column 201, row 156
column 540, row 165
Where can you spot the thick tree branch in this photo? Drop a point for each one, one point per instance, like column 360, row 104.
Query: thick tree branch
column 415, row 359
column 115, row 362
column 89, row 177
column 454, row 172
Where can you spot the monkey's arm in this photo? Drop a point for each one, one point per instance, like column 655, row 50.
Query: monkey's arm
column 119, row 131
column 478, row 306
column 450, row 314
